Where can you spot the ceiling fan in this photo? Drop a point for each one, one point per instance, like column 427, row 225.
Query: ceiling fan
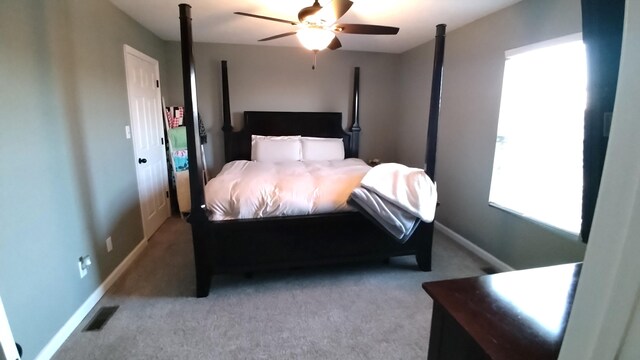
column 318, row 27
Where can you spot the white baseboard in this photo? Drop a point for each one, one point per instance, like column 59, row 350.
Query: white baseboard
column 8, row 348
column 478, row 251
column 61, row 336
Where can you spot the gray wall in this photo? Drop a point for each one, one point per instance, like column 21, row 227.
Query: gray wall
column 474, row 62
column 281, row 79
column 68, row 176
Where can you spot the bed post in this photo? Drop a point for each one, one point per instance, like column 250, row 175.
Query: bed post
column 355, row 127
column 227, row 128
column 197, row 217
column 434, row 106
column 423, row 251
column 191, row 111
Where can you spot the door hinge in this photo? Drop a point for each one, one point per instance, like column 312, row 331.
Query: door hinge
column 161, row 141
column 157, row 83
column 167, row 194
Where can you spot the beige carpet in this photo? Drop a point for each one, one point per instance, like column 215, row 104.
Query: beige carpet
column 359, row 311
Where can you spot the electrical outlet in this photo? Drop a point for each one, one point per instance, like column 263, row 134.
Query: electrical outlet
column 109, row 244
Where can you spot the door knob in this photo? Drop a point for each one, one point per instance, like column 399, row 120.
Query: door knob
column 142, row 161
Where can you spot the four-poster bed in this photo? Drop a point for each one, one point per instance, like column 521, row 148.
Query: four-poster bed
column 245, row 245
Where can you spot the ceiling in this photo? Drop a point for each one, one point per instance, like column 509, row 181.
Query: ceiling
column 214, row 21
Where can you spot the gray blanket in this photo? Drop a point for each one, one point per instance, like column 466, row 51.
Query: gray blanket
column 391, row 218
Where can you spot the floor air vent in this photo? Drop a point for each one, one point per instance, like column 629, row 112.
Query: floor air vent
column 490, row 270
column 100, row 318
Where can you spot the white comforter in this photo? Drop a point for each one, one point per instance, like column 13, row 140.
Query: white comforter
column 396, row 197
column 250, row 189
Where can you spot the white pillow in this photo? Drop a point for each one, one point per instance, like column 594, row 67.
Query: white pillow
column 275, row 148
column 317, row 149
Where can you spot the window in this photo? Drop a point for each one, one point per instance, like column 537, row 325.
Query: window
column 537, row 169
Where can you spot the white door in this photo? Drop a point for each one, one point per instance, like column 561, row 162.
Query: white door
column 145, row 109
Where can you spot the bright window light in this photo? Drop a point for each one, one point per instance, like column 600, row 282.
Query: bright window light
column 537, row 168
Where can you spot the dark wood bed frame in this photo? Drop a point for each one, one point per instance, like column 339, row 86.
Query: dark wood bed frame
column 247, row 245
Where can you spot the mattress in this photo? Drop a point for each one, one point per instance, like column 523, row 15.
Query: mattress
column 252, row 189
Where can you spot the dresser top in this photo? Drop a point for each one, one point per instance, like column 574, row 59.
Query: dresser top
column 513, row 315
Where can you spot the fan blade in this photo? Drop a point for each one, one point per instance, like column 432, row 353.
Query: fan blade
column 309, row 11
column 266, row 18
column 278, row 36
column 366, row 29
column 334, row 11
column 335, row 44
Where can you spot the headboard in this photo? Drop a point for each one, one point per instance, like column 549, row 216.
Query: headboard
column 275, row 123
column 237, row 144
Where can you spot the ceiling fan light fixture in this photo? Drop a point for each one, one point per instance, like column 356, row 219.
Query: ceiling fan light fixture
column 314, row 38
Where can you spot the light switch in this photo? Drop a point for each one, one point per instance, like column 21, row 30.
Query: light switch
column 127, row 131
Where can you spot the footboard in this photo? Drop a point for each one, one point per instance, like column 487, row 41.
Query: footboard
column 275, row 243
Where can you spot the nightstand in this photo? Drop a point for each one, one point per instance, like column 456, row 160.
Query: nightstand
column 374, row 162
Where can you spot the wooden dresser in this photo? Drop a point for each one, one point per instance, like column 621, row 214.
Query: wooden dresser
column 515, row 315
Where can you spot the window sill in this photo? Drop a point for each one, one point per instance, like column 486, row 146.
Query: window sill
column 560, row 232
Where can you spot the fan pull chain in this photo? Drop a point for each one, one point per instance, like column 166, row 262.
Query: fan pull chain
column 315, row 56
